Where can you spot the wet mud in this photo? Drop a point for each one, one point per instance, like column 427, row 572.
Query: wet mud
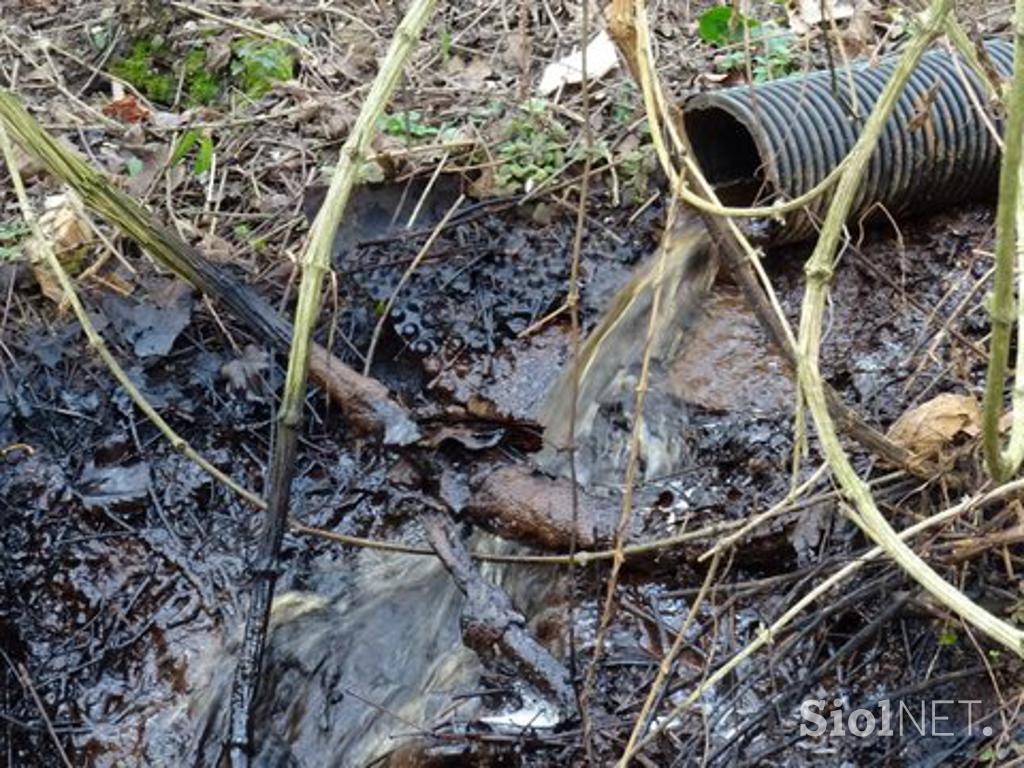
column 124, row 566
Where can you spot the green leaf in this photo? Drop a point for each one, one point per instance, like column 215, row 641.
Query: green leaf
column 133, row 165
column 722, row 25
column 204, row 157
column 185, row 143
column 948, row 637
column 446, row 45
column 258, row 65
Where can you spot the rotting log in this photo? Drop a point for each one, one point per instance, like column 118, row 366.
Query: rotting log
column 366, row 403
column 525, row 506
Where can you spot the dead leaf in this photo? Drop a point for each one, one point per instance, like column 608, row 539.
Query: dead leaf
column 859, row 35
column 471, row 75
column 216, row 248
column 936, row 424
column 602, row 58
column 64, row 229
column 152, row 323
column 466, row 436
column 246, row 373
column 126, row 110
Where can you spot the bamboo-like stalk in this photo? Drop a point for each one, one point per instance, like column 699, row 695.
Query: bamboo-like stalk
column 314, row 264
column 365, row 402
column 819, row 272
column 177, row 442
column 1003, row 464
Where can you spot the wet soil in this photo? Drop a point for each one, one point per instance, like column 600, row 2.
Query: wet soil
column 124, row 567
column 125, row 564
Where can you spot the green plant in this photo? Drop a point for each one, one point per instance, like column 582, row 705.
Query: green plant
column 204, row 154
column 407, row 125
column 143, row 69
column 153, row 70
column 258, row 64
column 201, row 86
column 533, row 148
column 624, row 104
column 947, row 637
column 635, row 169
column 771, row 55
column 723, row 25
column 446, row 45
column 11, row 233
column 770, row 46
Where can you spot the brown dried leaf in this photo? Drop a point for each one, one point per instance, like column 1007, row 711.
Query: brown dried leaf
column 126, row 110
column 934, row 425
column 68, row 234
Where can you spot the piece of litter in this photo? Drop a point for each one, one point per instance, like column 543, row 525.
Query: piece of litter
column 538, row 716
column 601, row 59
column 806, row 14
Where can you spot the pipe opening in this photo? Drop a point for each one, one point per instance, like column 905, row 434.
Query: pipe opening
column 727, row 153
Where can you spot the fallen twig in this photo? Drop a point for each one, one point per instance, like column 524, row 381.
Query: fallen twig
column 489, row 621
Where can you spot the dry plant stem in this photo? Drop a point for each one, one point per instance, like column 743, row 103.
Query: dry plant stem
column 819, row 271
column 417, row 260
column 710, row 205
column 315, row 264
column 776, row 509
column 1003, row 464
column 577, row 559
column 667, row 663
column 961, row 42
column 96, row 341
column 767, row 636
column 488, row 620
column 572, row 302
column 366, row 403
column 626, row 514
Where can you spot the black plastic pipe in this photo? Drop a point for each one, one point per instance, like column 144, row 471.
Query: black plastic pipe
column 777, row 140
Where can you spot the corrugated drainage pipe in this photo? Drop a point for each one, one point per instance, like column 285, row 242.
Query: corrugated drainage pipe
column 755, row 142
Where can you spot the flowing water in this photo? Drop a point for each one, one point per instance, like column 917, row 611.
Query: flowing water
column 351, row 678
column 611, row 357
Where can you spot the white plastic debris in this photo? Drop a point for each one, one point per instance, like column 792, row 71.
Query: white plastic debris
column 601, row 59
